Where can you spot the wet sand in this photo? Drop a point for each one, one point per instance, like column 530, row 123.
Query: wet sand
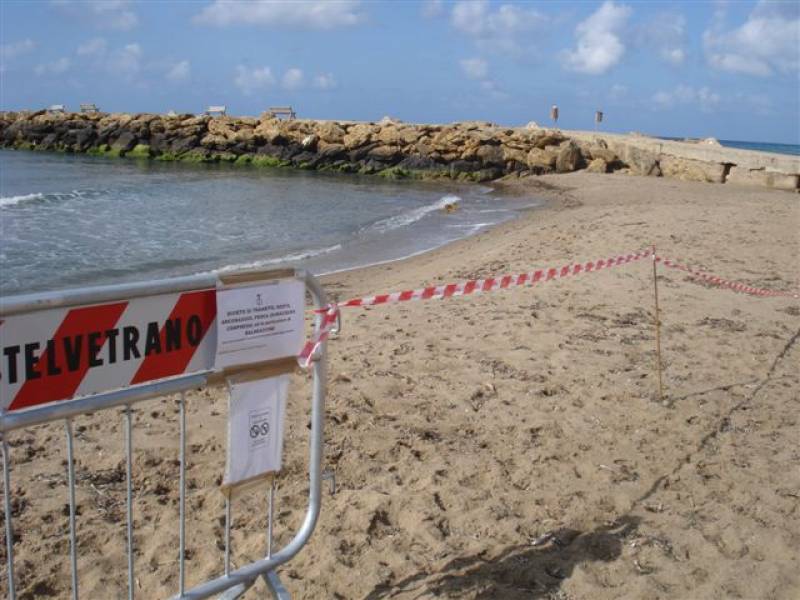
column 507, row 445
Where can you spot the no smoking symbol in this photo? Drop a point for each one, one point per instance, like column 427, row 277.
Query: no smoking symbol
column 259, row 429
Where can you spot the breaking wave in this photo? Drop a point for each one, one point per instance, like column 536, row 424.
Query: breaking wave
column 412, row 216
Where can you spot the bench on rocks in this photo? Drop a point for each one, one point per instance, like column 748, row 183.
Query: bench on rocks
column 286, row 111
column 89, row 108
column 57, row 108
column 216, row 111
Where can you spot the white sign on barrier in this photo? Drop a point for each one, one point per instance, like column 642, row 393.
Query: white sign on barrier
column 255, row 428
column 256, row 323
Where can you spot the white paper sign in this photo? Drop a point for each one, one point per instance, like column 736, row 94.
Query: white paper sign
column 255, row 428
column 259, row 322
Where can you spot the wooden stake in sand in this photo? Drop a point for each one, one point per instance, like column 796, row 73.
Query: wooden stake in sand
column 658, row 329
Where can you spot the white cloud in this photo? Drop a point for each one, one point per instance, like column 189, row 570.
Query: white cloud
column 475, row 68
column 126, row 61
column 251, row 79
column 179, row 72
column 293, row 79
column 113, row 14
column 768, row 41
column 54, row 68
column 502, row 29
column 684, row 95
column 303, row 14
column 14, row 49
column 599, row 44
column 325, row 81
column 93, row 47
column 666, row 34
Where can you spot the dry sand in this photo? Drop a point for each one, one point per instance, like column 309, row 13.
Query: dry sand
column 508, row 445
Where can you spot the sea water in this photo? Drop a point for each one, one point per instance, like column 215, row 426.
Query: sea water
column 76, row 220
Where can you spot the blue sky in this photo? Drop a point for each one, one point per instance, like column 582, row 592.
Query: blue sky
column 725, row 69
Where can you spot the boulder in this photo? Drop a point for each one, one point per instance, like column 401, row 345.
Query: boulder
column 384, row 153
column 125, row 142
column 419, row 163
column 330, row 152
column 182, row 145
column 357, row 136
column 424, row 146
column 597, row 165
column 641, row 162
column 608, row 156
column 270, row 133
column 309, row 142
column 691, row 170
column 490, row 155
column 569, row 158
column 763, row 178
column 548, row 138
column 515, row 154
column 388, row 135
column 216, row 141
column 408, row 136
column 330, row 133
column 539, row 159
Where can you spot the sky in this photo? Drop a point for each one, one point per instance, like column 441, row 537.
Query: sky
column 723, row 69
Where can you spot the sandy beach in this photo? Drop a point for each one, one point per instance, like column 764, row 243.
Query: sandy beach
column 508, row 445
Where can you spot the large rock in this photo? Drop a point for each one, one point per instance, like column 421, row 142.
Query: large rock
column 541, row 159
column 270, row 133
column 569, row 158
column 330, row 133
column 763, row 178
column 641, row 162
column 490, row 155
column 384, row 153
column 357, row 136
column 597, row 165
column 548, row 138
column 691, row 170
column 125, row 142
column 388, row 135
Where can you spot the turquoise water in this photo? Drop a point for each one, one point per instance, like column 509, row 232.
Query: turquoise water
column 76, row 220
column 791, row 149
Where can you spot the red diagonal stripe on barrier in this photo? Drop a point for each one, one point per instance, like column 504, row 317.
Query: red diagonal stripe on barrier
column 165, row 364
column 50, row 385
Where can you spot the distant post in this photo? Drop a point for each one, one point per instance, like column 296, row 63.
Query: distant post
column 598, row 118
column 554, row 114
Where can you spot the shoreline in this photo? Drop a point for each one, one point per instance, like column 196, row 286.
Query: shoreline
column 508, row 444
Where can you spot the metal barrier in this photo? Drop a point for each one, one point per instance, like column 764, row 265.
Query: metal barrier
column 231, row 584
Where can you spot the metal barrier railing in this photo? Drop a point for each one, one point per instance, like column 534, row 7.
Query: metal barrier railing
column 232, row 583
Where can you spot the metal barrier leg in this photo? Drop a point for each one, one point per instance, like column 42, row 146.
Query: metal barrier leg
column 227, row 536
column 270, row 513
column 275, row 586
column 12, row 593
column 129, row 470
column 182, row 501
column 73, row 542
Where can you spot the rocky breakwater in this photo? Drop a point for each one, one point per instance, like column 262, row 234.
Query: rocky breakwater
column 472, row 151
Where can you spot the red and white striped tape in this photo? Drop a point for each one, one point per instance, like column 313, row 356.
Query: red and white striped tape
column 719, row 281
column 330, row 320
column 478, row 286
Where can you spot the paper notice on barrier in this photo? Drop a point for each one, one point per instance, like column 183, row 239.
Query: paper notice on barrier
column 255, row 429
column 256, row 323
